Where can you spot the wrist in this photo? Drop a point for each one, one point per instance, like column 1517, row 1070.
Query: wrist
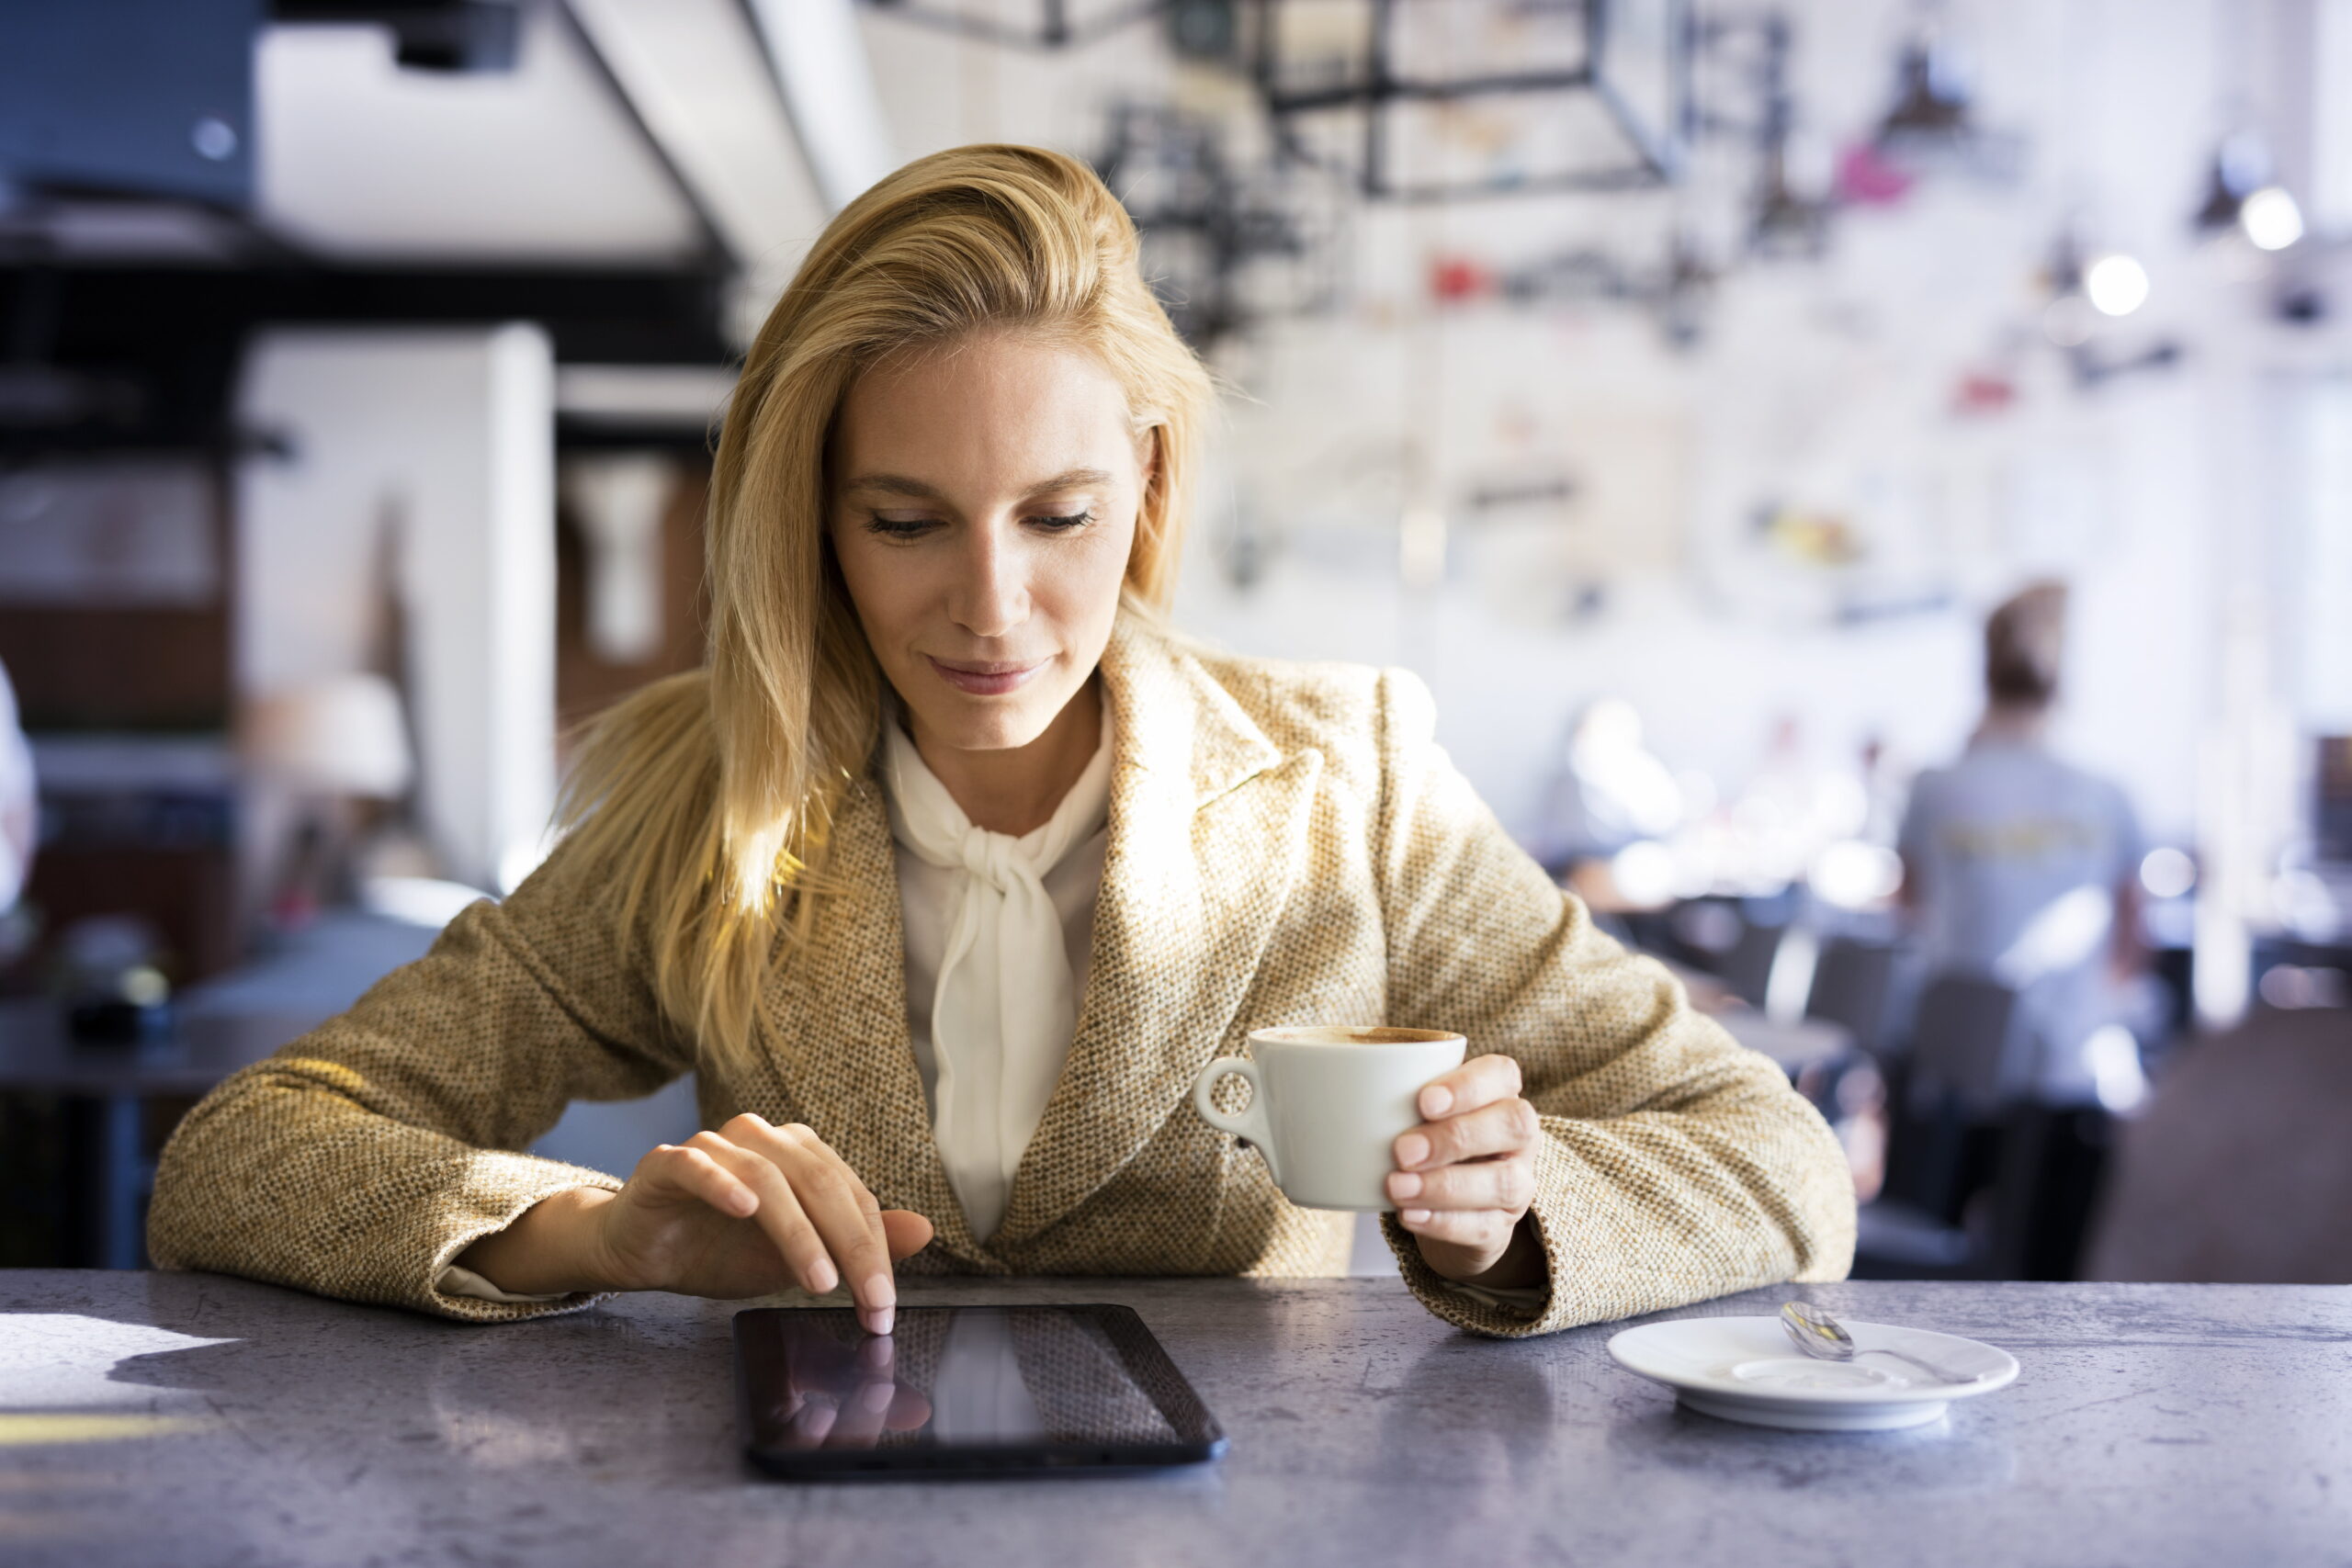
column 1521, row 1267
column 555, row 1247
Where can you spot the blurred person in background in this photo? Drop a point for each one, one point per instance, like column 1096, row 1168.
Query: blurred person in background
column 1792, row 808
column 1610, row 791
column 2022, row 868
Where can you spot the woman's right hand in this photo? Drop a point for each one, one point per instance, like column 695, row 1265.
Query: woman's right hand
column 746, row 1211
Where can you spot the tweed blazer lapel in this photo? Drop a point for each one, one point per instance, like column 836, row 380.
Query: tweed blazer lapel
column 1209, row 828
column 844, row 1062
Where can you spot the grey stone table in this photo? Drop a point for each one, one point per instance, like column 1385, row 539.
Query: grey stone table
column 196, row 1420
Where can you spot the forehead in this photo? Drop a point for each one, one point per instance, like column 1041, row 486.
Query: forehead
column 983, row 405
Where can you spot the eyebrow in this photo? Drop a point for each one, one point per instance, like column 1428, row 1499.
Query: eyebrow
column 899, row 484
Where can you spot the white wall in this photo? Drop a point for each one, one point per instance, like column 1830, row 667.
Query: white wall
column 1826, row 386
column 447, row 438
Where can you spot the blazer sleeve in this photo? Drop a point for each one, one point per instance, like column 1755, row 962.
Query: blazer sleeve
column 1675, row 1165
column 361, row 1159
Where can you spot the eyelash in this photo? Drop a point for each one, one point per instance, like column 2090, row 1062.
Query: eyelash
column 911, row 528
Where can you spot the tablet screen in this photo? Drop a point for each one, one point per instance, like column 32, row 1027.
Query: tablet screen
column 985, row 1387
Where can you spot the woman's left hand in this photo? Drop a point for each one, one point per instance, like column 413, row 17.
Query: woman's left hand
column 1465, row 1176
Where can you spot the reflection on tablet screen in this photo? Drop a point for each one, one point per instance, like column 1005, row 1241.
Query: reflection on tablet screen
column 961, row 1376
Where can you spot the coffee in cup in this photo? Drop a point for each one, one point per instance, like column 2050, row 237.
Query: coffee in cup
column 1328, row 1103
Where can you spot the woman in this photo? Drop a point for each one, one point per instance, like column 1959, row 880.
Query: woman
column 955, row 867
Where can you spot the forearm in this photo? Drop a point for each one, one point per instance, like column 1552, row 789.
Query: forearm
column 278, row 1176
column 1658, row 1209
column 552, row 1249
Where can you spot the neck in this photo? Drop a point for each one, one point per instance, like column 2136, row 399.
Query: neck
column 2015, row 721
column 1017, row 790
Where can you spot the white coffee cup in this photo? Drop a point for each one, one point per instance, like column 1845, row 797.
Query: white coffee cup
column 1328, row 1103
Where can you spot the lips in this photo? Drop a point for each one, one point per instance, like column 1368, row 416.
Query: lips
column 983, row 677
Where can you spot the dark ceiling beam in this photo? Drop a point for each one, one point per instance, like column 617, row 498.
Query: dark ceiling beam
column 621, row 317
column 125, row 356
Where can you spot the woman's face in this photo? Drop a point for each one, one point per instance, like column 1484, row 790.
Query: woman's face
column 984, row 499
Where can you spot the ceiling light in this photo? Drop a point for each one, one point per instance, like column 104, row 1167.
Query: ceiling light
column 2272, row 220
column 2117, row 285
column 2167, row 872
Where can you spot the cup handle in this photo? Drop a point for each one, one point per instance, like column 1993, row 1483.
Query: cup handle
column 1251, row 1123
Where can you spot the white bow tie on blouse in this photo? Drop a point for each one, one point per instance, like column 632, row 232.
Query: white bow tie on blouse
column 1005, row 1000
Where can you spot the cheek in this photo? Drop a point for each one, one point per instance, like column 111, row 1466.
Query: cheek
column 1082, row 584
column 887, row 589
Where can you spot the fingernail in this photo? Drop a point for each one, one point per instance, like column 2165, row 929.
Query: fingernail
column 822, row 1277
column 875, row 1397
column 1436, row 1100
column 743, row 1203
column 1404, row 1184
column 877, row 1320
column 1414, row 1216
column 1411, row 1149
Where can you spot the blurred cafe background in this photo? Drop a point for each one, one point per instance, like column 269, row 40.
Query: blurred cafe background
column 1869, row 481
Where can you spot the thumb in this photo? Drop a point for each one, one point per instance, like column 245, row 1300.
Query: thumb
column 905, row 1232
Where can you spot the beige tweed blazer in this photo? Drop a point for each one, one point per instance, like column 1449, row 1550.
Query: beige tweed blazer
column 1287, row 845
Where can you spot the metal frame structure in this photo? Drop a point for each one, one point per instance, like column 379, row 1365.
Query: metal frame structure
column 1755, row 49
column 1053, row 29
column 1656, row 151
column 1212, row 202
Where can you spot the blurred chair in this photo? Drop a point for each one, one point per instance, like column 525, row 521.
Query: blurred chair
column 2240, row 1169
column 1851, row 983
column 1746, row 969
column 1964, row 1072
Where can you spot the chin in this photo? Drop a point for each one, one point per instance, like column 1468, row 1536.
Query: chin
column 987, row 724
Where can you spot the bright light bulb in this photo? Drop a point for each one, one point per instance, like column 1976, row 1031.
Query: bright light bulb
column 1644, row 874
column 2167, row 872
column 1852, row 874
column 2117, row 285
column 2272, row 220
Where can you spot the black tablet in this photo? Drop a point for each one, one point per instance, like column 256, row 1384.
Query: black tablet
column 969, row 1390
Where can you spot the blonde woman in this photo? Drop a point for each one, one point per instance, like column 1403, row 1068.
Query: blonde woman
column 954, row 866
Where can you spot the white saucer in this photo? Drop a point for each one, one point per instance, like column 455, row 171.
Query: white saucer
column 1745, row 1369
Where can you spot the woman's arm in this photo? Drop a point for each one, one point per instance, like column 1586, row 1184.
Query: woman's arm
column 1672, row 1165
column 747, row 1210
column 360, row 1160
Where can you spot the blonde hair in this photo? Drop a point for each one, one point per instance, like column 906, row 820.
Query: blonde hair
column 706, row 801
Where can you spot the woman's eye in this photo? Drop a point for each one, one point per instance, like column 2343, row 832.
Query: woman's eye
column 1064, row 523
column 899, row 527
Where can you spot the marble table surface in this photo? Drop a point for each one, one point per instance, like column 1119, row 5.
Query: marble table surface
column 197, row 1420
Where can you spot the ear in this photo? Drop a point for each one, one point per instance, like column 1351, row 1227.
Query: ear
column 1146, row 455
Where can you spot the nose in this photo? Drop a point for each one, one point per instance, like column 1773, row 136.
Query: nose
column 991, row 592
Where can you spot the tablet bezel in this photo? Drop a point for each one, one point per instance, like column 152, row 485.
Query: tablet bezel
column 1199, row 1439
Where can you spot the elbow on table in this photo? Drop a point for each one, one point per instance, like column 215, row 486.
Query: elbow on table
column 203, row 1178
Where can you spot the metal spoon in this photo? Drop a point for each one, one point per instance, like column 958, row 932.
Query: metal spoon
column 1819, row 1335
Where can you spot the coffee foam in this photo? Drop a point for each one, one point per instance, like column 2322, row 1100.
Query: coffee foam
column 1354, row 1035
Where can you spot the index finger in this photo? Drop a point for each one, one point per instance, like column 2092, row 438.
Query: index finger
column 1481, row 1080
column 845, row 1214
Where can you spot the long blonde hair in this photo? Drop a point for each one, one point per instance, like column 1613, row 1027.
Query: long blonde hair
column 706, row 801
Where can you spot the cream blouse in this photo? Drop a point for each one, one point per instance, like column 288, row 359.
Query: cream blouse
column 996, row 931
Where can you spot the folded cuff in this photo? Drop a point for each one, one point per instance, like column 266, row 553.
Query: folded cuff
column 498, row 1189
column 458, row 1282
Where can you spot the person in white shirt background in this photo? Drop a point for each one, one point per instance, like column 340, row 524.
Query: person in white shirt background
column 2022, row 868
